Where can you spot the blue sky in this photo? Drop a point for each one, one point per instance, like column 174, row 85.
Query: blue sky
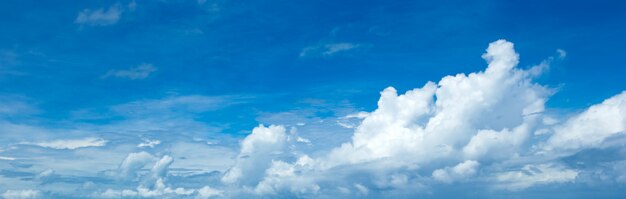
column 290, row 99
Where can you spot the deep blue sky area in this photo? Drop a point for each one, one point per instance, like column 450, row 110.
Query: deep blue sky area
column 209, row 71
column 253, row 47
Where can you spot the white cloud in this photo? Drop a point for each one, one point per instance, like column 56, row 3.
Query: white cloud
column 445, row 129
column 135, row 73
column 531, row 175
column 160, row 167
column 100, row 17
column 132, row 163
column 149, row 143
column 466, row 105
column 7, row 158
column 21, row 194
column 70, row 143
column 257, row 150
column 591, row 128
column 208, row 192
column 152, row 184
column 461, row 171
column 358, row 115
column 281, row 175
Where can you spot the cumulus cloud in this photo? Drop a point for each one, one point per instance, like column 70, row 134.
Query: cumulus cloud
column 467, row 107
column 465, row 128
column 257, row 150
column 153, row 183
column 70, row 143
column 134, row 73
column 459, row 172
column 132, row 163
column 596, row 127
column 100, row 17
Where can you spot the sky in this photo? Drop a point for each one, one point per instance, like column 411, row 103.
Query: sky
column 312, row 99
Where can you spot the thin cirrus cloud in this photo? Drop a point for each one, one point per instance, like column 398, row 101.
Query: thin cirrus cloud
column 329, row 49
column 100, row 16
column 139, row 72
column 104, row 16
column 70, row 143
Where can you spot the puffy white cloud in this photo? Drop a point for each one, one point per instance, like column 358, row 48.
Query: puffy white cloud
column 70, row 143
column 257, row 150
column 21, row 194
column 444, row 130
column 490, row 144
column 153, row 183
column 132, row 163
column 443, row 118
column 208, row 192
column 100, row 17
column 461, row 171
column 592, row 128
column 138, row 72
column 160, row 167
column 282, row 176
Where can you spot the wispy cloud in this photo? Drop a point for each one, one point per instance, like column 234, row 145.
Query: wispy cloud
column 329, row 49
column 6, row 158
column 100, row 17
column 70, row 143
column 13, row 105
column 135, row 73
column 21, row 194
column 562, row 53
column 187, row 104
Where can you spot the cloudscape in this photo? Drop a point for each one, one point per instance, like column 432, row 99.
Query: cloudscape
column 320, row 99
